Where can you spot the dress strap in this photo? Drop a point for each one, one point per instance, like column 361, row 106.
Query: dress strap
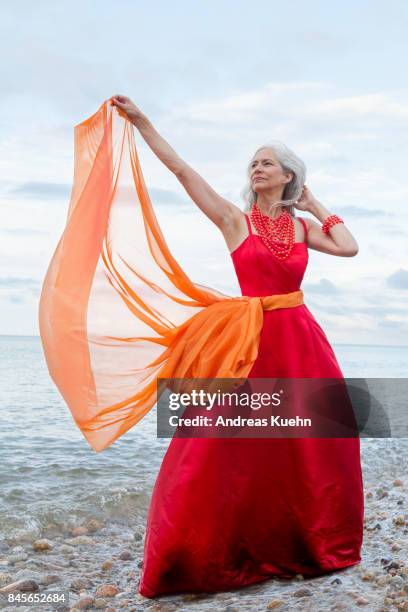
column 305, row 226
column 248, row 223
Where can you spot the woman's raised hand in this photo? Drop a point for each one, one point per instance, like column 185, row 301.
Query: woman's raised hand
column 306, row 199
column 127, row 108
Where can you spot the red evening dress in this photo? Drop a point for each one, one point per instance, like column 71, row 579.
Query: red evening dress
column 231, row 512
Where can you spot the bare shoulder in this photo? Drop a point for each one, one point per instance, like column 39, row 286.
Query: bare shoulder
column 300, row 233
column 310, row 223
column 306, row 221
column 313, row 228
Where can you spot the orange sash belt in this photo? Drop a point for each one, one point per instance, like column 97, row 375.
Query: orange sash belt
column 282, row 300
column 221, row 341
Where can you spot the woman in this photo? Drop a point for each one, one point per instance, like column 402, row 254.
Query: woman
column 230, row 512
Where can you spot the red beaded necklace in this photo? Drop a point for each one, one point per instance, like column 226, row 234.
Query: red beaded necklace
column 277, row 234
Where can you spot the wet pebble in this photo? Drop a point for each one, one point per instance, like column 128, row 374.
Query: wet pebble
column 66, row 549
column 302, row 592
column 84, row 603
column 339, row 606
column 368, row 576
column 24, row 586
column 78, row 531
column 362, row 601
column 107, row 565
column 275, row 604
column 4, row 578
column 80, row 583
column 107, row 590
column 80, row 541
column 397, row 580
column 125, row 555
column 42, row 544
column 94, row 525
column 48, row 579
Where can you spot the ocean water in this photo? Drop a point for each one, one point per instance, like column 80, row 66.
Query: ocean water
column 49, row 473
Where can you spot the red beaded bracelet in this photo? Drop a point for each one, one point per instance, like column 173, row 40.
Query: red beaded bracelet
column 330, row 221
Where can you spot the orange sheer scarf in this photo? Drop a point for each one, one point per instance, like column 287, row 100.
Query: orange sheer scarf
column 116, row 310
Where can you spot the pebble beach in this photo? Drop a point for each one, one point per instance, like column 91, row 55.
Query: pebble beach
column 98, row 563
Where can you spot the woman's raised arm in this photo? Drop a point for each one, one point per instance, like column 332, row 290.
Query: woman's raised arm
column 218, row 209
column 340, row 242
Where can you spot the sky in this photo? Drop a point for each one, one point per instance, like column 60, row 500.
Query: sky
column 217, row 79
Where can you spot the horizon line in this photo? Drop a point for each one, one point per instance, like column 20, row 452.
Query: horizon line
column 332, row 343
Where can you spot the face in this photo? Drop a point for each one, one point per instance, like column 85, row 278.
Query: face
column 266, row 173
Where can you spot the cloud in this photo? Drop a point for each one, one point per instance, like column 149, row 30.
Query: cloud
column 16, row 298
column 394, row 325
column 359, row 211
column 250, row 105
column 279, row 103
column 392, row 231
column 382, row 311
column 19, row 290
column 62, row 191
column 323, row 286
column 323, row 42
column 13, row 281
column 16, row 231
column 398, row 280
column 367, row 105
column 396, row 313
column 39, row 190
column 167, row 197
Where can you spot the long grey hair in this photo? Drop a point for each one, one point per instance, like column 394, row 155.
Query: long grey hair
column 290, row 162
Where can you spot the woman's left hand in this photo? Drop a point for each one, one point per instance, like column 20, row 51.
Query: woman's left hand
column 306, row 200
